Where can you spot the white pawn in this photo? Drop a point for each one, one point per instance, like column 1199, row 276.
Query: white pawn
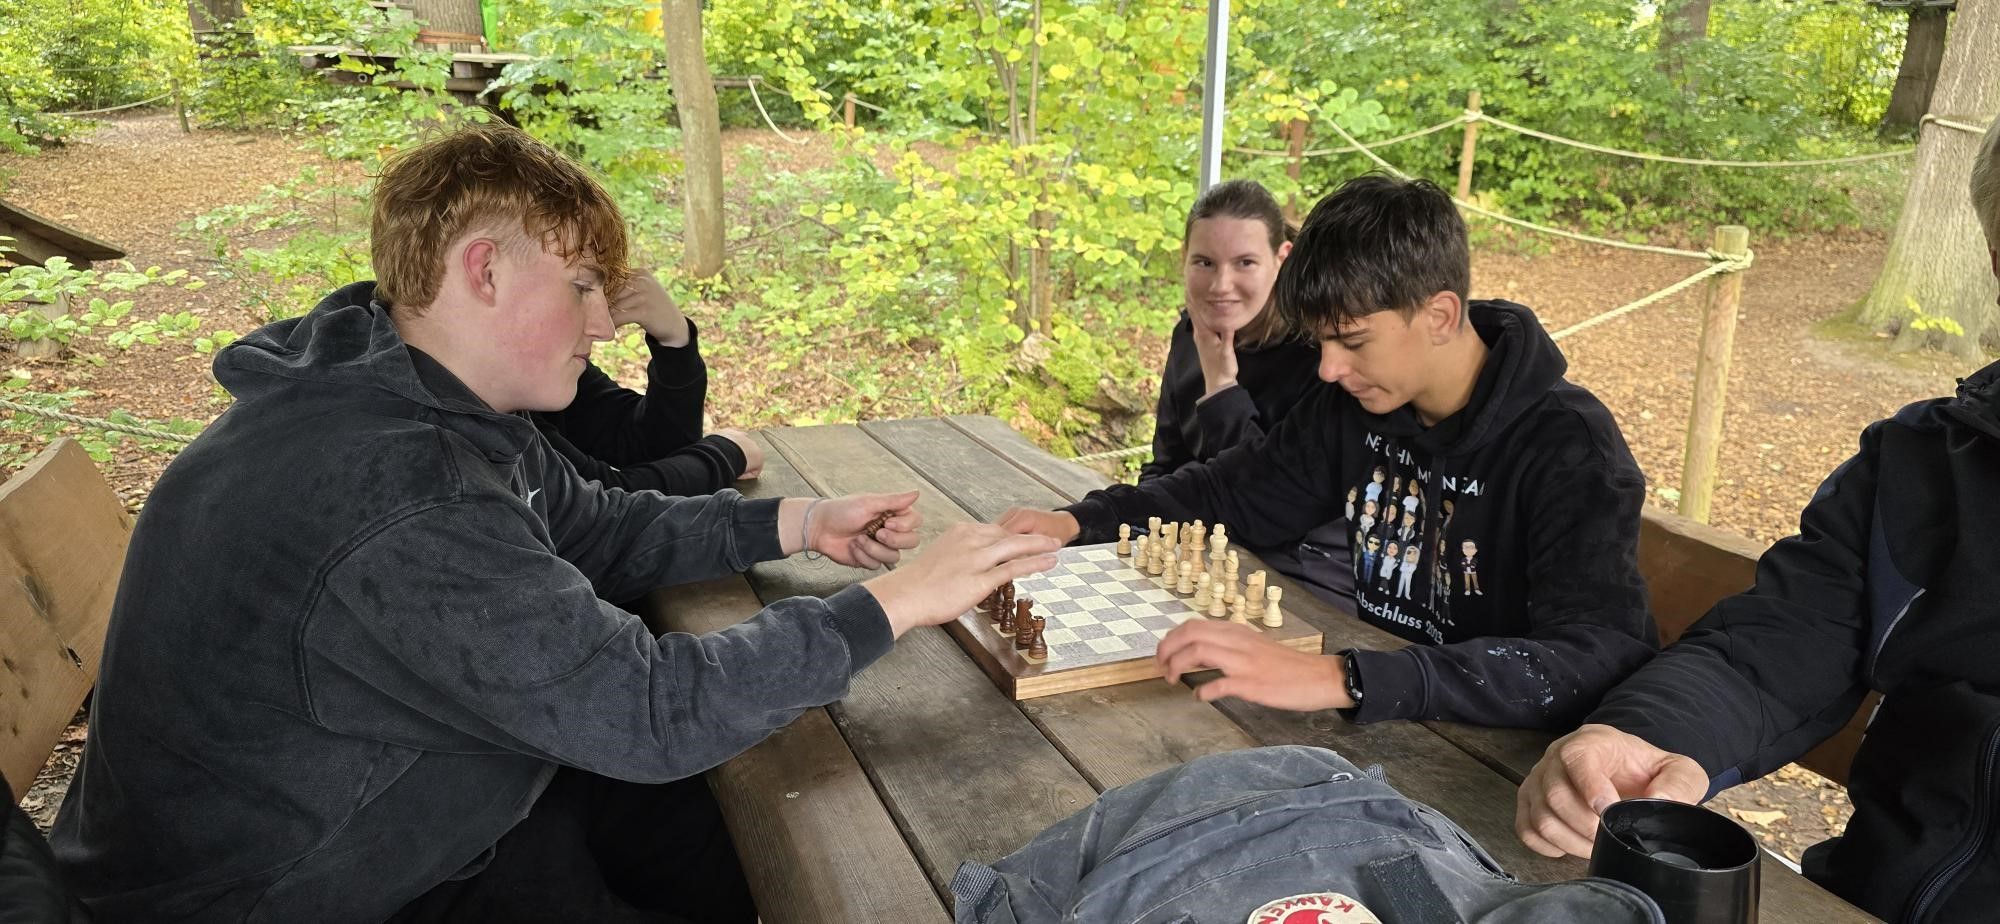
column 1153, row 528
column 1216, row 607
column 1186, row 584
column 1171, row 575
column 1273, row 617
column 1124, row 539
column 1201, row 596
column 1236, row 611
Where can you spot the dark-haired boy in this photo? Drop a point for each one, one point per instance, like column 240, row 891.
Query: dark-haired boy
column 1465, row 399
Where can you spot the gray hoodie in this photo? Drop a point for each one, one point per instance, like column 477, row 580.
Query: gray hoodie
column 361, row 623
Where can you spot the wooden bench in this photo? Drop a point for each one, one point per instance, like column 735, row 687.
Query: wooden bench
column 63, row 533
column 1689, row 566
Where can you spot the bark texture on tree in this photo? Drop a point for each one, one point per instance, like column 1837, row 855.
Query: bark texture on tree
column 1938, row 259
column 1681, row 22
column 701, row 136
column 1916, row 77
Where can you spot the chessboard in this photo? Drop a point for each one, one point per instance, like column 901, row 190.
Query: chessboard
column 1102, row 617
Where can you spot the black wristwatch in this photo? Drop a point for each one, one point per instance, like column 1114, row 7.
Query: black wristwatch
column 1353, row 672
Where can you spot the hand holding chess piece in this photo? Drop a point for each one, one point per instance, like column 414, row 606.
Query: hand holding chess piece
column 1254, row 667
column 954, row 571
column 861, row 530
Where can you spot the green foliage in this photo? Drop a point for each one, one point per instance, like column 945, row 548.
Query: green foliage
column 68, row 55
column 317, row 225
column 61, row 283
column 1591, row 70
column 22, row 434
column 594, row 92
column 1935, row 326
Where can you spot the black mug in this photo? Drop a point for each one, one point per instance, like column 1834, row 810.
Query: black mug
column 1698, row 866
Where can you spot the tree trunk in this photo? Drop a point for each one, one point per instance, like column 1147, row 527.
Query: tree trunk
column 701, row 135
column 212, row 16
column 1681, row 22
column 1938, row 259
column 1041, row 294
column 1923, row 52
column 452, row 25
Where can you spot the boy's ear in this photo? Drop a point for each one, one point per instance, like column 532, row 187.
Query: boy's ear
column 478, row 261
column 1284, row 250
column 1443, row 314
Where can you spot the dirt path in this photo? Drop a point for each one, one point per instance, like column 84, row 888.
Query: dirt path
column 1797, row 399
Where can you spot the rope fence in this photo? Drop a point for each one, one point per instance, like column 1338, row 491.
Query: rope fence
column 143, row 102
column 1322, row 152
column 1929, row 119
column 1532, row 226
column 1474, row 116
column 1471, row 116
column 1725, row 265
column 767, row 116
column 96, row 423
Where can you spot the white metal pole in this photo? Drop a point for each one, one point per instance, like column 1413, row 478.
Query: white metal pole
column 1214, row 72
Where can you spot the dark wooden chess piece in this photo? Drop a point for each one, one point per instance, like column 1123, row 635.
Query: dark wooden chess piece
column 1024, row 624
column 1038, row 649
column 1006, row 617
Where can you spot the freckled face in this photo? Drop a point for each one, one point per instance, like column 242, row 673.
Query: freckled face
column 550, row 312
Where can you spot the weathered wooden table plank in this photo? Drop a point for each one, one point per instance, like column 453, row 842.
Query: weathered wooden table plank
column 1116, row 734
column 963, row 772
column 816, row 843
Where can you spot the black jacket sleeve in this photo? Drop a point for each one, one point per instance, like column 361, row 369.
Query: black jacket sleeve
column 1773, row 671
column 1269, row 492
column 1229, row 418
column 1170, row 450
column 622, row 427
column 1588, row 626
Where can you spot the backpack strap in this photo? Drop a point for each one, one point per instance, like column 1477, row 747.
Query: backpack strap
column 1414, row 897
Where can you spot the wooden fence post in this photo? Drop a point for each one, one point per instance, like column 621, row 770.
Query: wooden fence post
column 850, row 110
column 1295, row 148
column 1711, row 376
column 1471, row 143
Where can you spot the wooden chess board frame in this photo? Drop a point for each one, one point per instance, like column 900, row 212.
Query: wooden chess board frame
column 1020, row 678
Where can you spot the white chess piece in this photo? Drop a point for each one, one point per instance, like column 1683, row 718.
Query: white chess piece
column 1186, row 584
column 1124, row 539
column 1273, row 617
column 1201, row 591
column 1171, row 574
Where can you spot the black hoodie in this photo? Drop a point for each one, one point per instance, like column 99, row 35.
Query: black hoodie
column 1270, row 378
column 1890, row 585
column 362, row 621
column 620, row 438
column 1524, row 594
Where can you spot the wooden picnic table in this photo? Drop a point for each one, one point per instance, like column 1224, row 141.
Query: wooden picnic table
column 862, row 811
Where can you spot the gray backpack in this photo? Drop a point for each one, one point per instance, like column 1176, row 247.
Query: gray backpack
column 1280, row 835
